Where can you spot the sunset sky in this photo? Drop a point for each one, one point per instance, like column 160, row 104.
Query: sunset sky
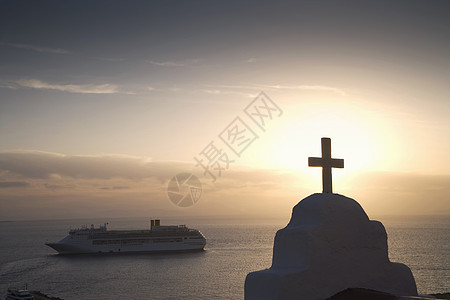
column 103, row 102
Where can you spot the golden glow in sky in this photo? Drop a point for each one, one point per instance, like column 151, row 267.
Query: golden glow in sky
column 101, row 106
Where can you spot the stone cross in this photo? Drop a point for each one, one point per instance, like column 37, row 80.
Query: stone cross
column 326, row 162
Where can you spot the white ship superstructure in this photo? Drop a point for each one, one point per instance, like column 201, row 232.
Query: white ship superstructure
column 14, row 294
column 158, row 238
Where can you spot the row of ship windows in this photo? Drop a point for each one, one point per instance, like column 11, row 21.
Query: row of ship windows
column 136, row 241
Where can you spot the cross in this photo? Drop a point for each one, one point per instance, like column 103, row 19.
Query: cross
column 326, row 162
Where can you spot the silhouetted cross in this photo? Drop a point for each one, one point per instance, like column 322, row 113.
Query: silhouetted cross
column 326, row 162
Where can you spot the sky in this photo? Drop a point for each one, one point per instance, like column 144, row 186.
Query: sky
column 103, row 102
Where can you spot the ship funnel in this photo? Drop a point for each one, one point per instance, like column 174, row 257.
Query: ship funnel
column 155, row 223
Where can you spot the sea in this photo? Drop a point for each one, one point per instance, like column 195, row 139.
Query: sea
column 234, row 248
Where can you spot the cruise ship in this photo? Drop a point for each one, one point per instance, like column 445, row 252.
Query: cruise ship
column 18, row 295
column 158, row 239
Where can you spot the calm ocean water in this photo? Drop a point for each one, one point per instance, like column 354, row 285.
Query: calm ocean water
column 234, row 248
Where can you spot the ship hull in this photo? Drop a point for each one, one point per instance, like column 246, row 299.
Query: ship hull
column 85, row 249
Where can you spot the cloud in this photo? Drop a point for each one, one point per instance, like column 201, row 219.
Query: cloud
column 116, row 187
column 215, row 92
column 120, row 185
column 307, row 87
column 399, row 193
column 116, row 172
column 235, row 86
column 8, row 184
column 260, row 87
column 54, row 187
column 225, row 92
column 34, row 183
column 47, row 165
column 184, row 63
column 38, row 48
column 8, row 85
column 71, row 88
column 165, row 63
